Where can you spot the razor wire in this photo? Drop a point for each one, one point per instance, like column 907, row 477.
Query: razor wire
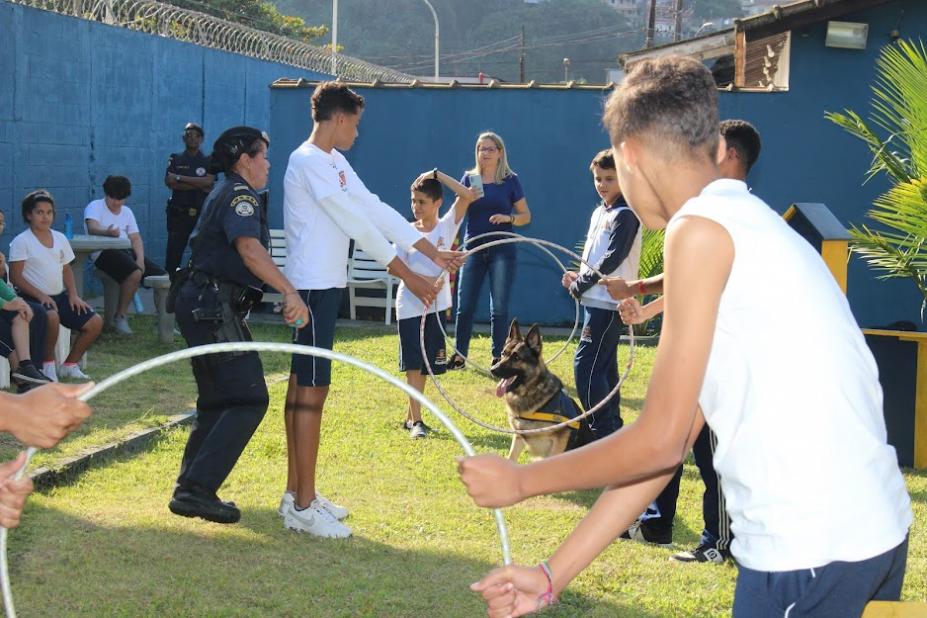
column 631, row 345
column 251, row 346
column 169, row 21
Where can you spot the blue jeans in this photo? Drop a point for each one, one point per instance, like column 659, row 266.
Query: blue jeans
column 500, row 265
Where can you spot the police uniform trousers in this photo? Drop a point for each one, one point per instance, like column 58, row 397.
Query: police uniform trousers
column 180, row 224
column 232, row 399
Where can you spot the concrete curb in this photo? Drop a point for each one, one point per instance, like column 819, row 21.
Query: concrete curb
column 69, row 469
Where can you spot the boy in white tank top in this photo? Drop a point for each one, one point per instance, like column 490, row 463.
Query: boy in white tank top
column 818, row 506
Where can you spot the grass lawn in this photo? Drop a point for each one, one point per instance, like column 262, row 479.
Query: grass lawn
column 106, row 545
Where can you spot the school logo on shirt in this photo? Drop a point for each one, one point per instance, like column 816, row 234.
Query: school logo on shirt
column 342, row 180
column 440, row 243
column 201, row 171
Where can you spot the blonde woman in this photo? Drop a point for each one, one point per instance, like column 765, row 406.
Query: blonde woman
column 502, row 207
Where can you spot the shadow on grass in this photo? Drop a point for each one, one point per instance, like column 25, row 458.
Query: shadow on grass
column 63, row 565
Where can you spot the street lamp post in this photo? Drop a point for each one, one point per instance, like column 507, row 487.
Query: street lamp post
column 335, row 38
column 437, row 39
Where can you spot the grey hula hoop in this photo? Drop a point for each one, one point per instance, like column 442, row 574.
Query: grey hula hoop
column 505, row 234
column 554, row 427
column 252, row 346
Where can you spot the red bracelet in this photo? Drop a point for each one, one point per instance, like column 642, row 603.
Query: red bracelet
column 641, row 288
column 547, row 598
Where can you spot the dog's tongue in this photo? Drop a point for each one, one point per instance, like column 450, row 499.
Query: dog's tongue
column 503, row 386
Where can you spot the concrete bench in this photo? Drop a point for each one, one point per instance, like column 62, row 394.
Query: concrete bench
column 62, row 349
column 160, row 284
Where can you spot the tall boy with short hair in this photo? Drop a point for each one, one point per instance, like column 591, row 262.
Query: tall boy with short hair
column 427, row 197
column 818, row 505
column 613, row 247
column 326, row 205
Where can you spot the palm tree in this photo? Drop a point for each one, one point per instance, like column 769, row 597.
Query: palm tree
column 899, row 104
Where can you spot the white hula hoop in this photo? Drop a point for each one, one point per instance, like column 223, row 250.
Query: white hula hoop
column 508, row 430
column 505, row 234
column 252, row 346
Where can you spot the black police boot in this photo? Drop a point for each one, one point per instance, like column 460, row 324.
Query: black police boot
column 196, row 502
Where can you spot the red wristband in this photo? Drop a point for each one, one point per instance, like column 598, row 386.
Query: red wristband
column 641, row 288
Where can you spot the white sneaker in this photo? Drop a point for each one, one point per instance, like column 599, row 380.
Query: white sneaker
column 316, row 521
column 49, row 370
column 121, row 324
column 335, row 510
column 286, row 503
column 72, row 372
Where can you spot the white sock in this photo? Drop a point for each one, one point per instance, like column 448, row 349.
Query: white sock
column 48, row 368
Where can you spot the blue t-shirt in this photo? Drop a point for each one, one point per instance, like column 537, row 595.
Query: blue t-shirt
column 498, row 199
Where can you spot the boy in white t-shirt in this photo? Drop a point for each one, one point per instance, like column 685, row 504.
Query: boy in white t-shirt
column 818, row 505
column 40, row 259
column 427, row 197
column 111, row 217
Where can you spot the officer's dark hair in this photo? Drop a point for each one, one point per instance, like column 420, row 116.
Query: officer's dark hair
column 430, row 187
column 603, row 160
column 33, row 199
column 117, row 187
column 233, row 143
column 744, row 138
column 331, row 97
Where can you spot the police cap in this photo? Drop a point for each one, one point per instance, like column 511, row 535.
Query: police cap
column 192, row 126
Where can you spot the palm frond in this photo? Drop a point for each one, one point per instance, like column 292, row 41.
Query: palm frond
column 900, row 109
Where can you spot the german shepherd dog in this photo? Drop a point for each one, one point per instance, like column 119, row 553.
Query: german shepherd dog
column 530, row 390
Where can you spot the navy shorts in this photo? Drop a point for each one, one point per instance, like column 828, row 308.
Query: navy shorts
column 319, row 332
column 410, row 345
column 835, row 590
column 66, row 315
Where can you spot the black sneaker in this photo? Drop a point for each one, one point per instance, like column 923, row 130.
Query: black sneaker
column 703, row 553
column 27, row 373
column 641, row 533
column 456, row 362
column 194, row 502
column 419, row 430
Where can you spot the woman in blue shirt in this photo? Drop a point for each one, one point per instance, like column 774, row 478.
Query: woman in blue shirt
column 502, row 207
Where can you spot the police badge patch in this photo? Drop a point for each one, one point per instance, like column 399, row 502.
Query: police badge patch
column 244, row 205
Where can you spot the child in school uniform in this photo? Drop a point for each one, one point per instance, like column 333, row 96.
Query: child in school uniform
column 427, row 197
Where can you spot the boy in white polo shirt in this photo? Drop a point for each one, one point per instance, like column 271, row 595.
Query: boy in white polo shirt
column 427, row 197
column 817, row 502
column 326, row 205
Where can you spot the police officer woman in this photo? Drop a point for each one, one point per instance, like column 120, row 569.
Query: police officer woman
column 229, row 264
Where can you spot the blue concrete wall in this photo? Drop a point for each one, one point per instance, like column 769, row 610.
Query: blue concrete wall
column 81, row 100
column 552, row 136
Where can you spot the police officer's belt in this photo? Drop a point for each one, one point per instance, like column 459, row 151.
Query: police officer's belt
column 240, row 297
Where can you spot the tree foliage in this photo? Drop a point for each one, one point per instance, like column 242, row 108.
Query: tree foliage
column 480, row 35
column 257, row 14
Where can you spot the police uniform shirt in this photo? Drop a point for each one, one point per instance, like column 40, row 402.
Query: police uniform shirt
column 232, row 210
column 185, row 164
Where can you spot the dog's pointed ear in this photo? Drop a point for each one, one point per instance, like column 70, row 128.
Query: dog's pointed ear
column 514, row 332
column 533, row 339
